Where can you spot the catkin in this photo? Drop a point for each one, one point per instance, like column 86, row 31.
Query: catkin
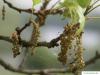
column 16, row 46
column 35, row 36
column 71, row 48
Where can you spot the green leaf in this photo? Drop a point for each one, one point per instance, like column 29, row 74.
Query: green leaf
column 35, row 2
column 75, row 12
column 68, row 3
column 84, row 3
column 81, row 19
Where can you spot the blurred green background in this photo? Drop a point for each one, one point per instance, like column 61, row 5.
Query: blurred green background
column 44, row 57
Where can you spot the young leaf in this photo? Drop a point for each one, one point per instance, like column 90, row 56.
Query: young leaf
column 84, row 3
column 35, row 2
column 74, row 12
column 70, row 5
column 81, row 19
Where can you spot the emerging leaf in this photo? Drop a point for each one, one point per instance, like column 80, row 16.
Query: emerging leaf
column 75, row 12
column 84, row 3
column 35, row 2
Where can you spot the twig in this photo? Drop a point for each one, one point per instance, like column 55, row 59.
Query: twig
column 46, row 12
column 24, row 43
column 95, row 2
column 93, row 9
column 55, row 4
column 18, row 9
column 45, row 4
column 93, row 60
column 24, row 27
column 23, row 59
column 5, row 38
column 11, row 68
column 54, row 11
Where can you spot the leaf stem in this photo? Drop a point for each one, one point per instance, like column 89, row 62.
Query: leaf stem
column 95, row 2
column 93, row 8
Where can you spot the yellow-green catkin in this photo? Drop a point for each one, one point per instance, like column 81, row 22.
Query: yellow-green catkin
column 34, row 37
column 71, row 53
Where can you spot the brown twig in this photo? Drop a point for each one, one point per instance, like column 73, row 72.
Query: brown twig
column 45, row 4
column 23, row 59
column 19, row 30
column 17, row 9
column 54, row 11
column 11, row 68
column 93, row 8
column 46, row 12
column 93, row 60
column 24, row 43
